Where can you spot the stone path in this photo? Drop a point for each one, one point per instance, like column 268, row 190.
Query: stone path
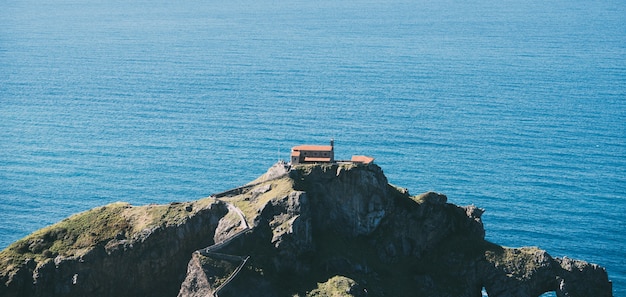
column 211, row 251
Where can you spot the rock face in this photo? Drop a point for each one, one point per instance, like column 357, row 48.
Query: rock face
column 307, row 230
column 354, row 201
column 149, row 261
column 579, row 278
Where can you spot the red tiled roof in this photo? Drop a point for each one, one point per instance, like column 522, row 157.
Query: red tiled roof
column 295, row 153
column 362, row 159
column 325, row 148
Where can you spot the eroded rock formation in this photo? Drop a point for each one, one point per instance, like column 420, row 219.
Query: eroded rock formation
column 310, row 230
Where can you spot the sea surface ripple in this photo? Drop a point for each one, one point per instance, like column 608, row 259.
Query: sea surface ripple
column 516, row 107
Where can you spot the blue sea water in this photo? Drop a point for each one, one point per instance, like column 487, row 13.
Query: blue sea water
column 518, row 107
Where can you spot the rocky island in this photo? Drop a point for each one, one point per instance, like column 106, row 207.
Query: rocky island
column 329, row 229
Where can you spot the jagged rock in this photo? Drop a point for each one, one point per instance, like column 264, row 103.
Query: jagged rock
column 204, row 275
column 532, row 272
column 518, row 272
column 352, row 202
column 577, row 278
column 307, row 230
column 435, row 198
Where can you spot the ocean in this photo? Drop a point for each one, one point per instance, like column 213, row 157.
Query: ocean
column 518, row 107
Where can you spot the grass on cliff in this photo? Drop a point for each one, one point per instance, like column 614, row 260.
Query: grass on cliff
column 518, row 262
column 77, row 234
column 218, row 270
column 72, row 236
column 337, row 286
column 154, row 215
column 253, row 201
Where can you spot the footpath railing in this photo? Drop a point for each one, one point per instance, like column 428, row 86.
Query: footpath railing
column 243, row 189
column 223, row 243
column 211, row 251
column 234, row 192
column 231, row 277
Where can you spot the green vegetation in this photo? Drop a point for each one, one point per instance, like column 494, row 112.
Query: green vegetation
column 219, row 269
column 71, row 237
column 150, row 216
column 253, row 201
column 518, row 262
column 74, row 236
column 337, row 286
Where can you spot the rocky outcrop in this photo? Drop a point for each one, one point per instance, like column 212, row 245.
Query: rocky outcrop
column 532, row 272
column 148, row 261
column 354, row 202
column 579, row 278
column 307, row 230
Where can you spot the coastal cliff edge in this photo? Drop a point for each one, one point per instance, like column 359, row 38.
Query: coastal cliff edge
column 302, row 230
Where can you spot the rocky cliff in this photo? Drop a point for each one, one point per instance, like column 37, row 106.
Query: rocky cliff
column 307, row 230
